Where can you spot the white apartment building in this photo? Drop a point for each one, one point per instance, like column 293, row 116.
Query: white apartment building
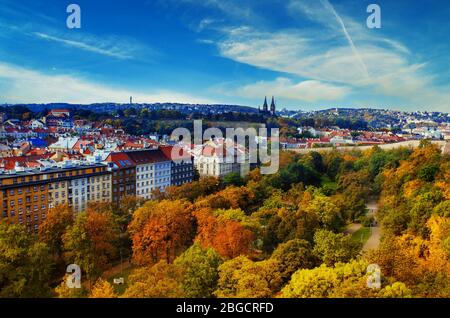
column 78, row 192
column 152, row 171
column 211, row 159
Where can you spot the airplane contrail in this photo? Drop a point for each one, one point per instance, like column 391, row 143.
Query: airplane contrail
column 328, row 5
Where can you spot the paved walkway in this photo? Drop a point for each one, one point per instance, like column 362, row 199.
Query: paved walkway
column 375, row 234
column 352, row 228
column 116, row 270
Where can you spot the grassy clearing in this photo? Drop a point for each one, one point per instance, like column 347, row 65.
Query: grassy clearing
column 120, row 289
column 362, row 235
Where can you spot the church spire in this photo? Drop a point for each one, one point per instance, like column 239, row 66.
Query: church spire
column 265, row 107
column 272, row 106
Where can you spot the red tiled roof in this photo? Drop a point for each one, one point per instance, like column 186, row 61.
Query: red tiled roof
column 121, row 159
column 147, row 156
column 10, row 162
column 175, row 152
column 78, row 144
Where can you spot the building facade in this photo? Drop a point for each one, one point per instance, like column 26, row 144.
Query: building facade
column 123, row 176
column 27, row 195
column 152, row 171
column 182, row 165
column 211, row 159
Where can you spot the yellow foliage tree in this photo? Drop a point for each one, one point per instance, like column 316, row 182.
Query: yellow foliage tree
column 103, row 289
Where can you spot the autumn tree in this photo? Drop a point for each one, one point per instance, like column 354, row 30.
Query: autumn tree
column 201, row 274
column 161, row 280
column 102, row 289
column 396, row 290
column 232, row 239
column 52, row 229
column 230, row 197
column 90, row 242
column 191, row 191
column 398, row 257
column 225, row 233
column 161, row 230
column 63, row 290
column 342, row 280
column 243, row 278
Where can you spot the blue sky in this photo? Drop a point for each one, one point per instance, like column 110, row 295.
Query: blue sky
column 310, row 54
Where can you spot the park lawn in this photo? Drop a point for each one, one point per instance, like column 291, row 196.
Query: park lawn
column 362, row 235
column 120, row 289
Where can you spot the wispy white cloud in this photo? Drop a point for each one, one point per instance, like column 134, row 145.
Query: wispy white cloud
column 330, row 7
column 117, row 47
column 21, row 85
column 112, row 51
column 338, row 51
column 120, row 48
column 305, row 91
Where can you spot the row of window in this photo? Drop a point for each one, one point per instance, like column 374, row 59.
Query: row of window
column 20, row 201
column 149, row 190
column 150, row 167
column 27, row 190
column 28, row 210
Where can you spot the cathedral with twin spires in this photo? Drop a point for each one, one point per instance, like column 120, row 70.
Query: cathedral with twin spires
column 265, row 109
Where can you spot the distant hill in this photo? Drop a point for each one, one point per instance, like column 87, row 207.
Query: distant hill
column 109, row 107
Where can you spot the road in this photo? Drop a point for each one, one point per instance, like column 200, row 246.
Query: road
column 409, row 143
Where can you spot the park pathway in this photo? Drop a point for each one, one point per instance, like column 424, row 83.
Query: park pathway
column 352, row 228
column 375, row 234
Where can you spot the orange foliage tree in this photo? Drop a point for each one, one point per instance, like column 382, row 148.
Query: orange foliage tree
column 54, row 226
column 228, row 237
column 161, row 230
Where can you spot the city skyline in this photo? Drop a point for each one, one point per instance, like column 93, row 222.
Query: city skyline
column 308, row 54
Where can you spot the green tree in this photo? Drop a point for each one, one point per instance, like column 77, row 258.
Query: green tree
column 332, row 248
column 91, row 242
column 25, row 265
column 233, row 178
column 293, row 255
column 201, row 274
column 327, row 212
